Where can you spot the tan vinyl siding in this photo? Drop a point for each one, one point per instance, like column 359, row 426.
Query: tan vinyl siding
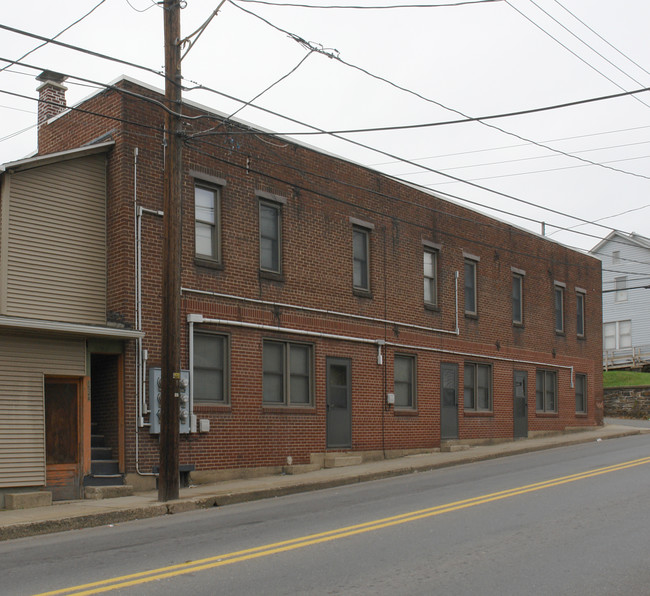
column 23, row 363
column 56, row 245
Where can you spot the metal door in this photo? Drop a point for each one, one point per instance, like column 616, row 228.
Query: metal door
column 339, row 418
column 62, row 438
column 448, row 401
column 520, row 405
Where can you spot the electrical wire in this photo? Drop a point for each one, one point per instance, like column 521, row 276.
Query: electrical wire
column 387, row 7
column 153, row 5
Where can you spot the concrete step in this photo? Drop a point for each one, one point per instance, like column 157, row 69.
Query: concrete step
column 104, row 466
column 300, row 469
column 101, row 453
column 451, row 447
column 340, row 460
column 28, row 500
column 108, row 492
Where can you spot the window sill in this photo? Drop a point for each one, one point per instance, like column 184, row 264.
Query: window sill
column 547, row 414
column 581, row 338
column 431, row 307
column 581, row 415
column 405, row 412
column 208, row 264
column 271, row 276
column 517, row 325
column 473, row 414
column 471, row 315
column 204, row 408
column 560, row 333
column 281, row 409
column 361, row 293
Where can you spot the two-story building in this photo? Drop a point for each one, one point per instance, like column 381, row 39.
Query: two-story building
column 326, row 307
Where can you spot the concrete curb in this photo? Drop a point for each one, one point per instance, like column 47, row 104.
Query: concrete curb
column 292, row 485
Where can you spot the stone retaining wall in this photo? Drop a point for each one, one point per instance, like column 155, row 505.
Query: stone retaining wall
column 633, row 402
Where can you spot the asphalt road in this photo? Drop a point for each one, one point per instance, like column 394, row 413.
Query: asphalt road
column 572, row 520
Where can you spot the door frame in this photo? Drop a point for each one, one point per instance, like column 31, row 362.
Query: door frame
column 455, row 367
column 347, row 362
column 520, row 430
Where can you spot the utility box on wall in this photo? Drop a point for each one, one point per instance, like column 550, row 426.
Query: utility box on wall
column 183, row 398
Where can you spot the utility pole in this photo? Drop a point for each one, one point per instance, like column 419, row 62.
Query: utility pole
column 169, row 481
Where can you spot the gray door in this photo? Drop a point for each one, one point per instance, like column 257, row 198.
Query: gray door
column 520, row 399
column 448, row 401
column 339, row 418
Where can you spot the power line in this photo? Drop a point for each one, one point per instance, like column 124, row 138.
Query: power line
column 386, row 7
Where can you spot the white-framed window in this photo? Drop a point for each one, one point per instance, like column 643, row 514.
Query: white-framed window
column 616, row 257
column 558, row 301
column 580, row 314
column 478, row 387
column 270, row 237
column 517, row 299
column 430, row 273
column 621, row 289
column 287, row 371
column 471, row 294
column 211, row 368
column 404, row 380
column 581, row 393
column 207, row 206
column 546, row 391
column 361, row 258
column 617, row 335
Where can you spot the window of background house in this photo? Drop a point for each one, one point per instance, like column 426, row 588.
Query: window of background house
column 210, row 373
column 546, row 391
column 431, row 277
column 478, row 387
column 287, row 373
column 580, row 314
column 404, row 381
column 270, row 237
column 559, row 308
column 517, row 299
column 206, row 224
column 621, row 289
column 361, row 258
column 616, row 257
column 581, row 394
column 617, row 335
column 470, row 287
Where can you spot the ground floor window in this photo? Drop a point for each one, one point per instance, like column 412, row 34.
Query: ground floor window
column 404, row 381
column 581, row 394
column 210, row 376
column 546, row 391
column 287, row 373
column 478, row 387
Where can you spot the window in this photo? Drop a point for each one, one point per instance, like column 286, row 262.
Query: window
column 430, row 270
column 559, row 309
column 581, row 394
column 206, row 221
column 580, row 314
column 361, row 258
column 404, row 381
column 546, row 391
column 621, row 289
column 617, row 335
column 616, row 257
column 210, row 368
column 517, row 299
column 270, row 237
column 478, row 387
column 287, row 373
column 470, row 287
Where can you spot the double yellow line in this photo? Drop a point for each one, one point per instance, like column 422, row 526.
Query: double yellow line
column 135, row 579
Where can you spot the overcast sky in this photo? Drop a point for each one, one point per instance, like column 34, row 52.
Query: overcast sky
column 478, row 59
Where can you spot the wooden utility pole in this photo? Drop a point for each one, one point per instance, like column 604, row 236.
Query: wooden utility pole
column 169, row 481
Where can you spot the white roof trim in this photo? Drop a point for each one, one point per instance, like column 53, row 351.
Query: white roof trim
column 68, row 328
column 41, row 160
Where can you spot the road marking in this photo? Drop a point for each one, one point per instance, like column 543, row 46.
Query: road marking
column 135, row 579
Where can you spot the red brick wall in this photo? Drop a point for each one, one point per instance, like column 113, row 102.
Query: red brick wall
column 322, row 194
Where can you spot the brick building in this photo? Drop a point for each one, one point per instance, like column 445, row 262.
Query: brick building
column 326, row 307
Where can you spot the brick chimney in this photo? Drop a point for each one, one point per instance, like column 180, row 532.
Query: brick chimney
column 51, row 95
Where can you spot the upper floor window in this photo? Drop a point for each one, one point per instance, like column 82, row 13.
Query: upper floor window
column 210, row 374
column 517, row 299
column 404, row 381
column 478, row 387
column 559, row 307
column 287, row 373
column 617, row 335
column 361, row 258
column 546, row 391
column 471, row 298
column 270, row 237
column 621, row 289
column 581, row 394
column 580, row 314
column 430, row 272
column 207, row 199
column 616, row 257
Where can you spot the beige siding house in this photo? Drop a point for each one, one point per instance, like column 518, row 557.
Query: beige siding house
column 53, row 322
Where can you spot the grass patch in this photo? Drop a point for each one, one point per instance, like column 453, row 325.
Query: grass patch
column 625, row 378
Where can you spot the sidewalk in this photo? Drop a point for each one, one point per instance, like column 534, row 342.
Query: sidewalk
column 70, row 515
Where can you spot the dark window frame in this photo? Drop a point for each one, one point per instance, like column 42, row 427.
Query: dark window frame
column 225, row 369
column 581, row 299
column 215, row 226
column 411, row 401
column 472, row 404
column 580, row 383
column 471, row 288
column 430, row 278
column 286, row 374
column 544, row 378
column 558, row 308
column 518, row 303
column 361, row 285
column 276, row 254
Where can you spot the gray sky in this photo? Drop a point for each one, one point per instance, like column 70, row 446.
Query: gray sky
column 477, row 59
